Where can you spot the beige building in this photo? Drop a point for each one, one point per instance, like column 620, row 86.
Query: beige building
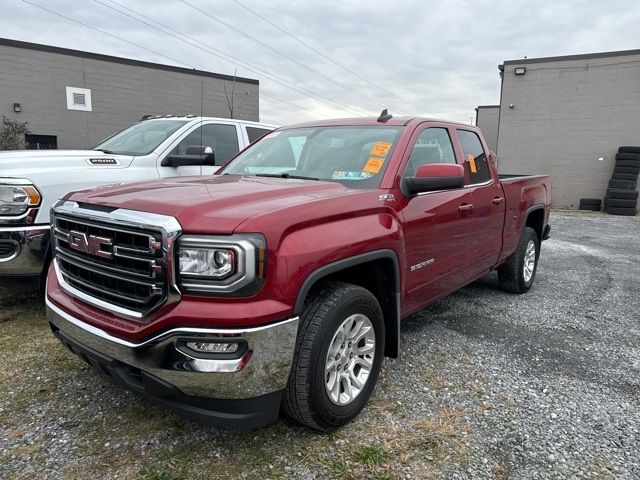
column 566, row 117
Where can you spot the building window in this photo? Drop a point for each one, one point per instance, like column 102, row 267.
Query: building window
column 78, row 99
column 41, row 142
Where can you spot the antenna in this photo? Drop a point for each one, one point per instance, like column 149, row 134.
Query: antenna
column 385, row 116
column 201, row 120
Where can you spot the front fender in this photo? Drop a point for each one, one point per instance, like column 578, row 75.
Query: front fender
column 306, row 250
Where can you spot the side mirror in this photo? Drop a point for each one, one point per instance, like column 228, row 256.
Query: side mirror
column 194, row 156
column 434, row 176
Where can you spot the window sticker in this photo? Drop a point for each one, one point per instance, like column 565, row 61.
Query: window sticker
column 338, row 175
column 472, row 163
column 373, row 165
column 380, row 149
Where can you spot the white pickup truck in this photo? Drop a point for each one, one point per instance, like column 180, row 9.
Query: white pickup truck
column 32, row 181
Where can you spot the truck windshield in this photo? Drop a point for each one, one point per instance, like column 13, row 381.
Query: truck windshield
column 141, row 138
column 354, row 156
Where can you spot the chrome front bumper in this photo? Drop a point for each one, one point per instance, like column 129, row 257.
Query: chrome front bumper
column 263, row 368
column 29, row 245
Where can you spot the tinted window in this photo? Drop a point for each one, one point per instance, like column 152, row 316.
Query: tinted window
column 475, row 160
column 432, row 146
column 223, row 139
column 255, row 133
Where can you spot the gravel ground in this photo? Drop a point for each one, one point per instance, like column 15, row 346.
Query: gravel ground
column 490, row 385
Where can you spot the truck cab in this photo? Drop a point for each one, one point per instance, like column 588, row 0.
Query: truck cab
column 162, row 146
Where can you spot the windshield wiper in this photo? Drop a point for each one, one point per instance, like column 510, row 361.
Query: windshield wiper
column 286, row 175
column 104, row 150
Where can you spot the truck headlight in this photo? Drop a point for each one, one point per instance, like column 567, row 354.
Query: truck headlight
column 17, row 196
column 207, row 262
column 231, row 265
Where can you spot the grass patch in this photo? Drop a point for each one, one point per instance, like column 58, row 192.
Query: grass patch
column 371, row 456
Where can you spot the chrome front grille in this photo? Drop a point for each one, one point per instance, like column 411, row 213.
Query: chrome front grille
column 118, row 260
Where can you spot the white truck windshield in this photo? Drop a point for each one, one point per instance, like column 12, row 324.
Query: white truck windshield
column 141, row 138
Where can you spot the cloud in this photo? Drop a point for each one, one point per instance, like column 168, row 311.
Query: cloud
column 423, row 58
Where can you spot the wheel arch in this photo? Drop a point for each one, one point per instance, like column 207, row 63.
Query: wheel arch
column 374, row 271
column 535, row 219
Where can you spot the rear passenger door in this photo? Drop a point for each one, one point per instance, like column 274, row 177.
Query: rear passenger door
column 223, row 138
column 488, row 201
column 437, row 230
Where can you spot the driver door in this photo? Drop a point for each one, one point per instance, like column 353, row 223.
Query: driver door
column 438, row 226
column 223, row 138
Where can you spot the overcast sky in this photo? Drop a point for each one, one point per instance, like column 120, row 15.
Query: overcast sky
column 426, row 57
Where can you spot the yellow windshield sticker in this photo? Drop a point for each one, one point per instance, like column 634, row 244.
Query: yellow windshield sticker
column 380, row 149
column 373, row 165
column 472, row 163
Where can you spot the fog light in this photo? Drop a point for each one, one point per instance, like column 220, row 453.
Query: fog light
column 209, row 347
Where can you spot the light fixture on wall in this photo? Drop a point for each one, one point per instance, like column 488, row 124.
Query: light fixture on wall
column 520, row 70
column 17, row 108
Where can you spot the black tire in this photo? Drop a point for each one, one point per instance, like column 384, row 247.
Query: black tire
column 591, row 208
column 628, row 149
column 635, row 170
column 511, row 274
column 633, row 177
column 619, row 193
column 630, row 212
column 628, row 163
column 305, row 397
column 590, row 201
column 623, row 202
column 623, row 184
column 628, row 156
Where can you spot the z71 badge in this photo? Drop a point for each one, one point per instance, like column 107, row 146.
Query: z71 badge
column 386, row 197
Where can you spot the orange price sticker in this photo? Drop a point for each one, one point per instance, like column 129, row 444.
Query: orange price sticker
column 373, row 165
column 472, row 163
column 380, row 149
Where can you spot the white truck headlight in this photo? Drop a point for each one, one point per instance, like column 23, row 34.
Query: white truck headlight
column 17, row 196
column 223, row 265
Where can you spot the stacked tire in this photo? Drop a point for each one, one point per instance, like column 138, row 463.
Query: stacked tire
column 592, row 204
column 622, row 196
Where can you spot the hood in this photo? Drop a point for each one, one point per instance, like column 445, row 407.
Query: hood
column 215, row 204
column 36, row 163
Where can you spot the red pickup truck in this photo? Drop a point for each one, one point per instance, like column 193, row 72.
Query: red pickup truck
column 281, row 281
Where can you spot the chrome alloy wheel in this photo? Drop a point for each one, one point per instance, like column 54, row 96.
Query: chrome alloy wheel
column 529, row 260
column 350, row 359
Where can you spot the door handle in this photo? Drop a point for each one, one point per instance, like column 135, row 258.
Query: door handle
column 465, row 208
column 497, row 200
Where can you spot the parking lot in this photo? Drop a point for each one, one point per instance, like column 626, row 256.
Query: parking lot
column 489, row 385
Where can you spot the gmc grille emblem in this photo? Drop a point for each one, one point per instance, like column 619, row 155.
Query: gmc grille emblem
column 90, row 244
